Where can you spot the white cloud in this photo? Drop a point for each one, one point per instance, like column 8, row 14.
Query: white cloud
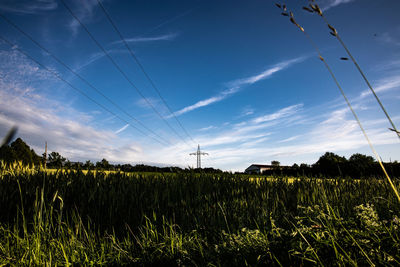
column 390, row 38
column 41, row 119
column 289, row 139
column 267, row 73
column 206, row 102
column 122, row 129
column 97, row 56
column 141, row 39
column 207, row 128
column 258, row 141
column 236, row 85
column 83, row 10
column 383, row 85
column 246, row 112
column 28, row 6
column 13, row 64
column 328, row 4
column 285, row 112
column 148, row 102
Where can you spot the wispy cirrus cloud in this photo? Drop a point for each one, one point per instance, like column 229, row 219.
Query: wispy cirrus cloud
column 28, row 6
column 292, row 138
column 236, row 85
column 41, row 118
column 328, row 4
column 284, row 112
column 202, row 103
column 84, row 10
column 96, row 57
column 142, row 39
column 256, row 139
column 336, row 132
column 99, row 55
column 266, row 73
column 383, row 85
column 246, row 112
column 122, row 129
column 249, row 130
column 211, row 127
column 391, row 38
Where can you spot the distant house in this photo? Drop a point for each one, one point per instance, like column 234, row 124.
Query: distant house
column 258, row 168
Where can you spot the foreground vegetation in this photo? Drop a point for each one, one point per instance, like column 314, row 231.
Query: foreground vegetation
column 194, row 219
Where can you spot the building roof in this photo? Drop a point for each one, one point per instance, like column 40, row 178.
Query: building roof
column 261, row 165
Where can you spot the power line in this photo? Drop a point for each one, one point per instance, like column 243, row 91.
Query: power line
column 141, row 67
column 79, row 76
column 13, row 46
column 120, row 70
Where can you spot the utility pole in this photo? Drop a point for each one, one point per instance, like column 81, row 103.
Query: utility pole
column 198, row 153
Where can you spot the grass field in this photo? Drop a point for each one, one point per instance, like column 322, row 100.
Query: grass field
column 69, row 217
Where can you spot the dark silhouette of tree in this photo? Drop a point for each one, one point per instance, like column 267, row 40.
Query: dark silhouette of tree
column 329, row 164
column 88, row 165
column 22, row 151
column 7, row 154
column 360, row 165
column 68, row 164
column 103, row 164
column 275, row 163
column 56, row 160
column 19, row 151
column 361, row 159
column 36, row 159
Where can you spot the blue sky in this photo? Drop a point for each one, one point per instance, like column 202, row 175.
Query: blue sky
column 243, row 81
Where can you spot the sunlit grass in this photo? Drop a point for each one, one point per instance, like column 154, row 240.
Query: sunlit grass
column 91, row 218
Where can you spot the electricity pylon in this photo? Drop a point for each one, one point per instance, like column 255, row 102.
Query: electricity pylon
column 198, row 153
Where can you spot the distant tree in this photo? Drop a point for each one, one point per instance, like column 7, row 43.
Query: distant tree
column 329, row 164
column 360, row 165
column 361, row 159
column 103, row 164
column 22, row 151
column 56, row 160
column 7, row 154
column 19, row 151
column 88, row 165
column 68, row 164
column 37, row 160
column 275, row 163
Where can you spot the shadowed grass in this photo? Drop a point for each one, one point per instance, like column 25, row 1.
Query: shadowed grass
column 71, row 217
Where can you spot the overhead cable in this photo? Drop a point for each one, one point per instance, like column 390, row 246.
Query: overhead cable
column 80, row 77
column 142, row 68
column 120, row 70
column 13, row 46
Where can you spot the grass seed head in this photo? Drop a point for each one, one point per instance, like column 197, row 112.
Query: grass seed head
column 308, row 9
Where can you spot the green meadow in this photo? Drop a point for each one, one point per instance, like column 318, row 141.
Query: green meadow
column 191, row 219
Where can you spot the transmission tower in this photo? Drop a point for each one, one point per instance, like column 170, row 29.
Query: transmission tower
column 198, row 153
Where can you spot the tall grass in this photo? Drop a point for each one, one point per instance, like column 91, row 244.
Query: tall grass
column 194, row 219
column 315, row 8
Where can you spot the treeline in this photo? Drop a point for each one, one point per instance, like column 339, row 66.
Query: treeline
column 19, row 151
column 331, row 165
